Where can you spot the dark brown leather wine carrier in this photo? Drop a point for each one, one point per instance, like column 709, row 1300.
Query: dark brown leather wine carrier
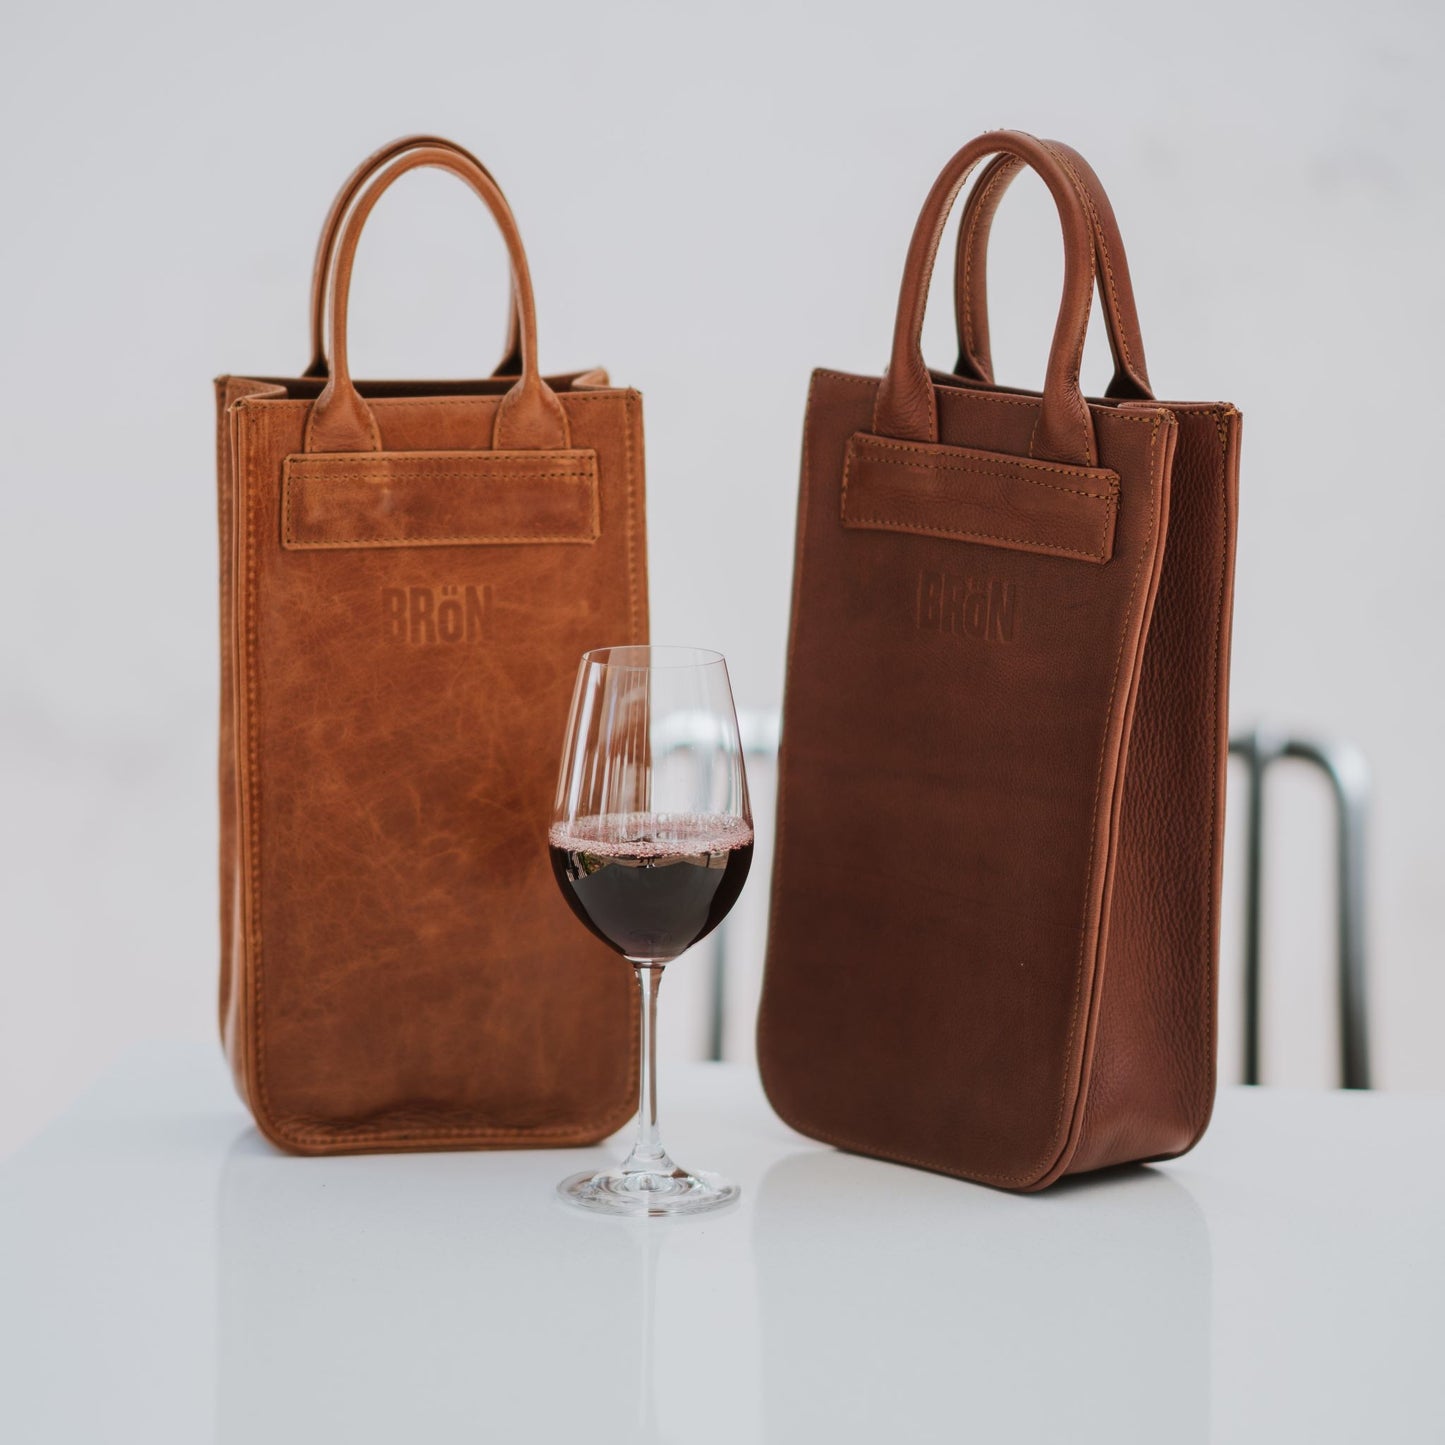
column 409, row 573
column 996, row 890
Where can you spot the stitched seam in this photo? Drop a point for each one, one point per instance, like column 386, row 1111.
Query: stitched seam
column 980, row 395
column 931, row 260
column 764, row 1025
column 639, row 631
column 225, row 469
column 1077, row 390
column 383, row 474
column 872, row 382
column 573, row 459
column 845, row 1141
column 632, row 608
column 297, row 545
column 253, row 830
column 1211, row 900
column 1099, row 776
column 1088, row 200
column 867, row 381
column 899, row 524
column 1083, row 406
column 1027, row 481
column 256, row 969
column 966, row 313
column 969, row 467
column 481, row 400
column 887, row 443
column 343, row 1132
column 594, row 495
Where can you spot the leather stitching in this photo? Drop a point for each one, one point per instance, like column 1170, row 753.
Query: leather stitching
column 344, row 543
column 901, row 524
column 781, row 812
column 640, row 632
column 1088, row 200
column 482, row 402
column 631, row 516
column 1077, row 394
column 948, row 1167
column 272, row 1123
column 395, row 474
column 1037, row 544
column 1099, row 778
column 966, row 312
column 1211, row 906
column 223, row 508
column 253, row 781
column 880, row 444
column 1209, row 948
column 396, row 403
column 930, row 259
column 292, row 543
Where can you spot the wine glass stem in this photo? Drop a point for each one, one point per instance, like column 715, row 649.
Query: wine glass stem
column 648, row 1153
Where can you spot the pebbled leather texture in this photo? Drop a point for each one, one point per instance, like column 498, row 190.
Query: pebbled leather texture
column 402, row 614
column 996, row 880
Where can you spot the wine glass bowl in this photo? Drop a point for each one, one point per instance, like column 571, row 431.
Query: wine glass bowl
column 650, row 842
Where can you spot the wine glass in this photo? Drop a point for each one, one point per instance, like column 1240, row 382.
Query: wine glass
column 651, row 841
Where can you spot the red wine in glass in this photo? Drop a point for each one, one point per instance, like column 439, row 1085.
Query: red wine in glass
column 650, row 885
column 651, row 839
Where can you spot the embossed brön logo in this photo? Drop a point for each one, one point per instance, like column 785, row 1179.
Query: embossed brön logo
column 436, row 614
column 981, row 607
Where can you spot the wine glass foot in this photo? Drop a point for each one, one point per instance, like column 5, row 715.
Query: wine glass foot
column 648, row 1193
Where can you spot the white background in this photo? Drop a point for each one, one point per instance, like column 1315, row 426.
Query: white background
column 714, row 200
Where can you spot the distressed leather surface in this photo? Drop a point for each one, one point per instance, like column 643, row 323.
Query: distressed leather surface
column 996, row 879
column 440, row 499
column 399, row 970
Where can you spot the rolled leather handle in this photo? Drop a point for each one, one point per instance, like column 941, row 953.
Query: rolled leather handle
column 1130, row 381
column 905, row 406
column 511, row 362
column 530, row 416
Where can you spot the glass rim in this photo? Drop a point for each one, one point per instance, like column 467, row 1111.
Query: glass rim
column 651, row 657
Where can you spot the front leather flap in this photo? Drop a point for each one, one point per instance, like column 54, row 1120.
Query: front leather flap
column 977, row 496
column 438, row 499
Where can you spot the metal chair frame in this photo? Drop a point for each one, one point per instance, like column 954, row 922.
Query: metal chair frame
column 1342, row 764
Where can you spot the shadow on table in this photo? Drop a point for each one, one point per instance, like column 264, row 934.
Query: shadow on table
column 454, row 1298
column 921, row 1303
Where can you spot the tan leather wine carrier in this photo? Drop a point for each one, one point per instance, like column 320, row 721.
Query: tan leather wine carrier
column 409, row 573
column 996, row 889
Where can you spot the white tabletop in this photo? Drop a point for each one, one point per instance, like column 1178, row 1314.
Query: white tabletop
column 166, row 1276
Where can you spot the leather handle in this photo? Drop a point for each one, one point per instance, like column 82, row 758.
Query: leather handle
column 511, row 362
column 905, row 407
column 530, row 416
column 1130, row 381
